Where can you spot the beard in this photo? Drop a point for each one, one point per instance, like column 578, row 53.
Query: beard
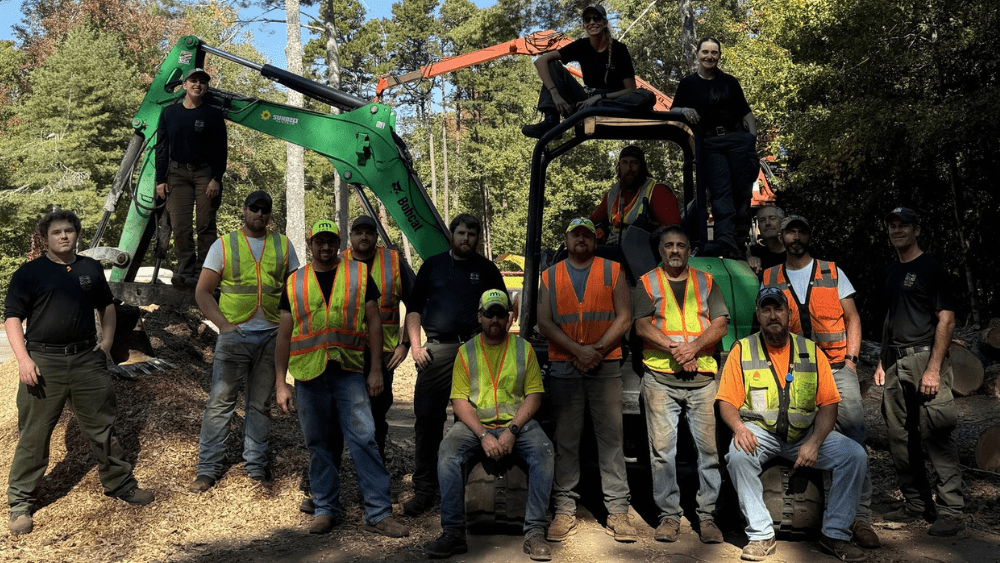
column 630, row 181
column 797, row 249
column 775, row 336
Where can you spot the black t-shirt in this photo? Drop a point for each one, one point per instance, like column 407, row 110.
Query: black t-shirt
column 595, row 65
column 446, row 293
column 719, row 102
column 768, row 259
column 58, row 300
column 915, row 291
column 191, row 136
column 325, row 281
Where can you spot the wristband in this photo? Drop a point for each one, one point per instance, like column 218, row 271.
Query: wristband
column 604, row 95
column 852, row 358
column 407, row 344
column 483, row 435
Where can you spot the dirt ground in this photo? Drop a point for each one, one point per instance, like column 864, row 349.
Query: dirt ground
column 239, row 520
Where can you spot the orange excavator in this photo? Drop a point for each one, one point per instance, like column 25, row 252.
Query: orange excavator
column 532, row 45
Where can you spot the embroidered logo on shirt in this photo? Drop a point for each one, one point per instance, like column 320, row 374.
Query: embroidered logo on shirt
column 199, row 125
column 910, row 279
column 474, row 278
column 86, row 283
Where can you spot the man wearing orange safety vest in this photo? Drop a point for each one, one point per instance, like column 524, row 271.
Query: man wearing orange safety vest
column 681, row 315
column 584, row 308
column 329, row 312
column 635, row 197
column 495, row 391
column 249, row 267
column 821, row 308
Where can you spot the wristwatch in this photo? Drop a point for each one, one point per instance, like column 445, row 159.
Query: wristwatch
column 514, row 429
column 483, row 435
column 853, row 359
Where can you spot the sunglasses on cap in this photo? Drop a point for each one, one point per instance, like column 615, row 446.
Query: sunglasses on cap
column 259, row 209
column 597, row 19
column 493, row 313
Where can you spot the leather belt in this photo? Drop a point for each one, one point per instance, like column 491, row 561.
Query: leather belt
column 722, row 130
column 902, row 352
column 188, row 166
column 453, row 338
column 63, row 349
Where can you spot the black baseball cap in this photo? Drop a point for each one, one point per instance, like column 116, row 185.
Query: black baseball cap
column 904, row 214
column 259, row 195
column 597, row 8
column 364, row 221
column 771, row 294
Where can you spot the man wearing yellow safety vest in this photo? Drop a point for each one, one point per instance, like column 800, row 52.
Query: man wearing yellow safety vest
column 821, row 307
column 249, row 267
column 329, row 313
column 636, row 195
column 496, row 390
column 584, row 308
column 778, row 396
column 680, row 315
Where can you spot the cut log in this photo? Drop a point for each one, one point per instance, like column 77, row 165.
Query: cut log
column 991, row 338
column 988, row 449
column 968, row 370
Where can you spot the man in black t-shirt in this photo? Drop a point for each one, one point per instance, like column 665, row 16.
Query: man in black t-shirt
column 770, row 251
column 917, row 404
column 191, row 151
column 445, row 301
column 57, row 295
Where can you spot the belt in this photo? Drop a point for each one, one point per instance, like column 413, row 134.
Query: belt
column 904, row 351
column 189, row 166
column 722, row 130
column 64, row 349
column 837, row 365
column 453, row 338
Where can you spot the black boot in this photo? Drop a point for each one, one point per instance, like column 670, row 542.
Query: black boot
column 536, row 130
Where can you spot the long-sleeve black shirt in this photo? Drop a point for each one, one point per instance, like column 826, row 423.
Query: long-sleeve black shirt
column 191, row 136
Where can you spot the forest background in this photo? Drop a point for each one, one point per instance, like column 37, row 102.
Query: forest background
column 864, row 105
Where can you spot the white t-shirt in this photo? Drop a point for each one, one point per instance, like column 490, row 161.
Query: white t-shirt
column 800, row 282
column 213, row 261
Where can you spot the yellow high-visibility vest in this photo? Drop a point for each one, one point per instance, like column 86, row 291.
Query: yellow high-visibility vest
column 248, row 283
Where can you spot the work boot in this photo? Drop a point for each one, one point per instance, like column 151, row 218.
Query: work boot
column 307, row 505
column 621, row 528
column 201, row 484
column 21, row 523
column 537, row 549
column 947, row 526
column 562, row 527
column 708, row 532
column 903, row 515
column 864, row 535
column 758, row 550
column 389, row 528
column 667, row 530
column 417, row 505
column 536, row 130
column 322, row 524
column 841, row 549
column 446, row 545
column 137, row 497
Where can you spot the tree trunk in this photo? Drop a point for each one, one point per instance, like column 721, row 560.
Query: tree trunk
column 430, row 144
column 956, row 199
column 689, row 33
column 341, row 189
column 444, row 157
column 295, row 193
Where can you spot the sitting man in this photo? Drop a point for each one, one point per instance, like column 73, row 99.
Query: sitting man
column 636, row 196
column 791, row 415
column 496, row 389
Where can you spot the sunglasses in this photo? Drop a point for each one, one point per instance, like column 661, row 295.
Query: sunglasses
column 493, row 314
column 597, row 19
column 259, row 209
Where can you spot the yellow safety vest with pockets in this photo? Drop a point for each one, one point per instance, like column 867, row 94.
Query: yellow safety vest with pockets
column 248, row 283
column 496, row 392
column 787, row 411
column 386, row 273
column 680, row 323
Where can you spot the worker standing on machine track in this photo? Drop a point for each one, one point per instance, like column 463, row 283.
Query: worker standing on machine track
column 821, row 308
column 59, row 359
column 637, row 196
column 584, row 308
column 680, row 315
column 918, row 404
column 770, row 251
column 496, row 390
column 608, row 75
column 445, row 299
column 248, row 266
column 329, row 313
column 191, row 151
column 778, row 396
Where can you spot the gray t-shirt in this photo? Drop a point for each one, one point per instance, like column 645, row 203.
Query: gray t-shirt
column 800, row 282
column 213, row 261
column 578, row 277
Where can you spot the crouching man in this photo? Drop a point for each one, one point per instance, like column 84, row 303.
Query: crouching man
column 778, row 396
column 496, row 389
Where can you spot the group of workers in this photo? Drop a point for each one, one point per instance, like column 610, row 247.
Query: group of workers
column 334, row 324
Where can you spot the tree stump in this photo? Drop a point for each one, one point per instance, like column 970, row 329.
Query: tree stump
column 988, row 449
column 968, row 370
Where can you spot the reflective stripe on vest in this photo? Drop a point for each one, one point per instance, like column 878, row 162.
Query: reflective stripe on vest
column 789, row 411
column 495, row 402
column 585, row 321
column 680, row 324
column 336, row 331
column 822, row 318
column 247, row 283
column 386, row 273
column 621, row 216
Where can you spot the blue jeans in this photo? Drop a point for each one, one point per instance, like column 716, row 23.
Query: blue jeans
column 344, row 393
column 664, row 405
column 838, row 453
column 851, row 423
column 531, row 446
column 239, row 360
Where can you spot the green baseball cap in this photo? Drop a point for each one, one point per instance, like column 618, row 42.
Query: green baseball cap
column 324, row 226
column 493, row 298
column 581, row 222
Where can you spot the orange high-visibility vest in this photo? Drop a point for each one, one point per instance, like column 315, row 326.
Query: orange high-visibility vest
column 327, row 331
column 680, row 322
column 386, row 273
column 822, row 318
column 621, row 215
column 585, row 321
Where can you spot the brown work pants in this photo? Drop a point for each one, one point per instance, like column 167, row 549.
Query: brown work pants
column 186, row 195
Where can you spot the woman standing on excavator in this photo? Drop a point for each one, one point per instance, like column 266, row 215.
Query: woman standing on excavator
column 608, row 75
